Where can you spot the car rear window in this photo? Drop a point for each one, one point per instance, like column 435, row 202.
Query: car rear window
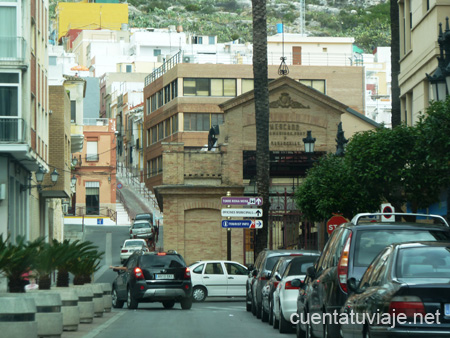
column 419, row 262
column 141, row 225
column 299, row 265
column 134, row 243
column 167, row 261
column 369, row 243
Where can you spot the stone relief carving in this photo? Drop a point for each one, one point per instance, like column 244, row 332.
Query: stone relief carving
column 285, row 101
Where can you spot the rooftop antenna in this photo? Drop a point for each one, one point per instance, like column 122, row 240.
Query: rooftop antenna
column 283, row 69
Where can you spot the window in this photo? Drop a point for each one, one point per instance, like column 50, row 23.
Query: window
column 9, row 21
column 198, row 269
column 174, row 123
column 318, row 85
column 129, row 68
column 212, row 40
column 174, row 89
column 200, row 40
column 213, row 269
column 166, row 94
column 154, row 103
column 201, row 121
column 235, row 269
column 160, row 98
column 91, row 151
column 148, row 137
column 73, row 111
column 147, row 106
column 247, row 85
column 154, row 166
column 209, row 87
column 156, row 52
column 52, row 60
column 92, row 198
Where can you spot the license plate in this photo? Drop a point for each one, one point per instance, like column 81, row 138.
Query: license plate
column 166, row 276
column 447, row 309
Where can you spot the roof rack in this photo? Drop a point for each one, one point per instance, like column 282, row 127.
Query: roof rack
column 437, row 218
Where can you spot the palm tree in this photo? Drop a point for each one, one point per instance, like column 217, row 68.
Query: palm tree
column 261, row 94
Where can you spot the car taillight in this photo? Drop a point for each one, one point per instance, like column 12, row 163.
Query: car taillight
column 138, row 273
column 187, row 273
column 342, row 268
column 408, row 305
column 161, row 253
column 288, row 286
column 123, row 250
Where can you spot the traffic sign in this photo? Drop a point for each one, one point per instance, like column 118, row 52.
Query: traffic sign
column 119, row 186
column 99, row 221
column 387, row 208
column 241, row 212
column 242, row 200
column 334, row 222
column 243, row 223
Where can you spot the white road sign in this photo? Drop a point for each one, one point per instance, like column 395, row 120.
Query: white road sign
column 241, row 212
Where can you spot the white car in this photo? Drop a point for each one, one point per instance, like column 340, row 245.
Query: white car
column 285, row 295
column 130, row 246
column 218, row 279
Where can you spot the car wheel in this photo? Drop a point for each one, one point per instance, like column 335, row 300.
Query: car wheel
column 132, row 303
column 186, row 303
column 284, row 326
column 298, row 330
column 249, row 307
column 258, row 311
column 248, row 302
column 116, row 303
column 253, row 307
column 199, row 293
column 168, row 304
column 275, row 320
column 264, row 315
column 270, row 313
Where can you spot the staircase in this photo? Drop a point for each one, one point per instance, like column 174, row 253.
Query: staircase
column 122, row 215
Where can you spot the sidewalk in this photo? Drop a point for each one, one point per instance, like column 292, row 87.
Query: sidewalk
column 98, row 324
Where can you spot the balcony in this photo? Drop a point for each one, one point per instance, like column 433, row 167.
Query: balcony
column 13, row 52
column 92, row 158
column 12, row 129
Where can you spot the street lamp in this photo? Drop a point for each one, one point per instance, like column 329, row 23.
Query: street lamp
column 309, row 142
column 40, row 178
column 73, row 180
column 440, row 80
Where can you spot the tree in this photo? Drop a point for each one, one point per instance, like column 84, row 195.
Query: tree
column 395, row 64
column 261, row 94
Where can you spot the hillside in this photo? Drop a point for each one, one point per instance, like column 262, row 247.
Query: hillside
column 232, row 19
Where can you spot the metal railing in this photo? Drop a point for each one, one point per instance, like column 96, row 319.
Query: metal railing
column 96, row 122
column 169, row 64
column 92, row 158
column 13, row 50
column 12, row 130
column 93, row 211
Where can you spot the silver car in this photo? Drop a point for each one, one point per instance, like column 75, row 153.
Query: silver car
column 142, row 229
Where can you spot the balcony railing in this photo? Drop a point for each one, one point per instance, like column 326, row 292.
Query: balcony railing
column 96, row 122
column 13, row 50
column 12, row 130
column 92, row 158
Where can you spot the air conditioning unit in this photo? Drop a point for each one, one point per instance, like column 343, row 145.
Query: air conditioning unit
column 187, row 59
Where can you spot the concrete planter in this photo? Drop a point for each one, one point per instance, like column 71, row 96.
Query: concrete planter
column 17, row 316
column 107, row 300
column 85, row 303
column 69, row 308
column 48, row 313
column 99, row 308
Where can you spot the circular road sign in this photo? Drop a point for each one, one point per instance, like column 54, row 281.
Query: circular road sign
column 387, row 209
column 334, row 222
column 119, row 185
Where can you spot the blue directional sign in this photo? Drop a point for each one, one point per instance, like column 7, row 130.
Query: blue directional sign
column 243, row 223
column 99, row 220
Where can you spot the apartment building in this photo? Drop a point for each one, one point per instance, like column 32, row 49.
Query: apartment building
column 419, row 49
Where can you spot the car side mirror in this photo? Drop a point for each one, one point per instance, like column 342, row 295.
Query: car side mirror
column 255, row 273
column 352, row 284
column 297, row 283
column 250, row 267
column 311, row 272
column 277, row 276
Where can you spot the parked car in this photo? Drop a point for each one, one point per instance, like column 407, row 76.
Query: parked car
column 286, row 292
column 142, row 229
column 259, row 276
column 153, row 277
column 347, row 254
column 218, row 278
column 144, row 217
column 405, row 283
column 130, row 246
column 269, row 288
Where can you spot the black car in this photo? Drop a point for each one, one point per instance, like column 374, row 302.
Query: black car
column 259, row 276
column 347, row 254
column 153, row 277
column 407, row 285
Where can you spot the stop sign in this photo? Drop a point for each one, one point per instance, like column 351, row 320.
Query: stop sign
column 334, row 222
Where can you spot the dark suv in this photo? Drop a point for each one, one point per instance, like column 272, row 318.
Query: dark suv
column 153, row 277
column 348, row 252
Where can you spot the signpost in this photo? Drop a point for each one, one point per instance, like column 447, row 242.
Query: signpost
column 241, row 212
column 387, row 208
column 242, row 200
column 243, row 223
column 334, row 222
